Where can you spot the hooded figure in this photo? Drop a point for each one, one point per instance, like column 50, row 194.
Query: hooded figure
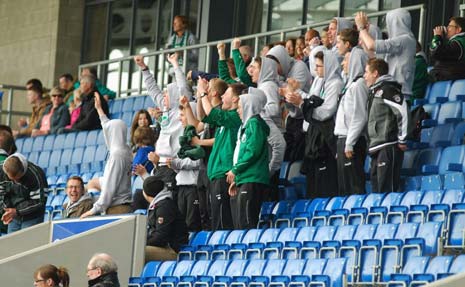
column 116, row 181
column 400, row 48
column 272, row 111
column 351, row 120
column 342, row 23
column 292, row 68
column 320, row 143
column 250, row 162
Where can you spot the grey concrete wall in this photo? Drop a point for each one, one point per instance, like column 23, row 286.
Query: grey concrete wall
column 9, row 243
column 40, row 39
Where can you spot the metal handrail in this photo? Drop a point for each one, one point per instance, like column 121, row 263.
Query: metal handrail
column 9, row 112
column 282, row 34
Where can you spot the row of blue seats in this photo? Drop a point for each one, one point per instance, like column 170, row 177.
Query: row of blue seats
column 417, row 271
column 440, row 136
column 62, row 141
column 130, row 104
column 315, row 242
column 443, row 91
column 395, row 207
column 449, row 112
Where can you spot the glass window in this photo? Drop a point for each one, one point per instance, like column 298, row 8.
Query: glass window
column 120, row 33
column 322, row 10
column 94, row 35
column 368, row 6
column 287, row 13
column 391, row 4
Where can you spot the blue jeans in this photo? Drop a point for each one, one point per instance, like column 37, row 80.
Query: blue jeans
column 18, row 223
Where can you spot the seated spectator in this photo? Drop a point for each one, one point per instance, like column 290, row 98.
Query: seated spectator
column 115, row 185
column 7, row 143
column 102, row 271
column 141, row 119
column 104, row 91
column 67, row 85
column 290, row 47
column 88, row 117
column 55, row 116
column 144, row 138
column 74, row 109
column 249, row 176
column 421, row 79
column 448, row 51
column 299, row 48
column 325, row 41
column 79, row 200
column 50, row 275
column 35, row 98
column 25, row 185
column 166, row 230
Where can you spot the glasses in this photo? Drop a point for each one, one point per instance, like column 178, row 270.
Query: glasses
column 90, row 269
column 73, row 186
column 61, row 96
column 453, row 26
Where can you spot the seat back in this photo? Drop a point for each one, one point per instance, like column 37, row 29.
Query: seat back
column 432, row 110
column 345, row 232
column 306, row 233
column 255, row 267
column 252, row 235
column 438, row 89
column 430, row 232
column 365, row 231
column 294, row 267
column 274, row 267
column 407, row 230
column 457, row 265
column 324, row 233
column 416, row 265
column 166, row 268
column 314, row 267
column 183, row 268
column 237, row 267
column 218, row 267
column 235, row 236
column 457, row 88
column 385, row 231
column 451, row 155
column 335, row 269
column 287, row 234
column 269, row 235
column 200, row 267
column 81, row 138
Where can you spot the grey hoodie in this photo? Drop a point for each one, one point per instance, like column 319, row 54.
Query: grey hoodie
column 291, row 67
column 267, row 82
column 167, row 145
column 342, row 23
column 400, row 48
column 351, row 117
column 331, row 89
column 116, row 180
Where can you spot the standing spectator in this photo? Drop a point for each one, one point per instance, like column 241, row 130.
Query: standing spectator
column 39, row 104
column 351, row 119
column 182, row 37
column 248, row 177
column 166, row 228
column 144, row 139
column 387, row 126
column 115, row 185
column 141, row 119
column 319, row 163
column 421, row 79
column 335, row 26
column 51, row 276
column 88, row 117
column 242, row 57
column 79, row 200
column 399, row 48
column 26, row 186
column 448, row 51
column 67, row 85
column 102, row 271
column 104, row 91
column 54, row 117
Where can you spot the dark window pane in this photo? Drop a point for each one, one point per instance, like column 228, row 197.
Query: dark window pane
column 94, row 34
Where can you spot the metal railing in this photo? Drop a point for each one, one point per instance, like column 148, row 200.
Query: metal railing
column 9, row 111
column 159, row 64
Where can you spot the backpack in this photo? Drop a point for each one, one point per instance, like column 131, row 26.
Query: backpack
column 417, row 115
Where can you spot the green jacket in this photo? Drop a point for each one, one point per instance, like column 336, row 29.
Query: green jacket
column 421, row 78
column 221, row 157
column 223, row 71
column 252, row 159
column 241, row 69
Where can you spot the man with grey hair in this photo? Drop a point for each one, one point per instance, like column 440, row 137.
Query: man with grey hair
column 102, row 271
column 88, row 118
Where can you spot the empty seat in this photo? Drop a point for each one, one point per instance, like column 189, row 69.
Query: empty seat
column 457, row 91
column 77, row 156
column 69, row 141
column 55, row 158
column 432, row 110
column 48, row 142
column 437, row 265
column 439, row 92
column 59, row 141
column 44, row 158
column 458, row 135
column 139, row 103
column 38, row 143
column 450, row 112
column 89, row 154
column 81, row 139
column 429, row 156
column 92, row 137
column 116, row 106
column 128, row 104
column 415, row 265
column 455, row 227
column 27, row 145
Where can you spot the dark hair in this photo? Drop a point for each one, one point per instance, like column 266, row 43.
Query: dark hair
column 320, row 55
column 7, row 141
column 418, row 47
column 58, row 275
column 280, row 43
column 35, row 84
column 349, row 35
column 258, row 60
column 6, row 128
column 313, row 33
column 78, row 178
column 237, row 88
column 184, row 20
column 135, row 123
column 379, row 65
column 14, row 166
column 67, row 76
column 144, row 136
column 325, row 29
column 460, row 21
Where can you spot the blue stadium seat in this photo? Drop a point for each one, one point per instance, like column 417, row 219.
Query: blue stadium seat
column 412, row 183
column 127, row 118
column 284, row 220
column 313, row 267
column 330, row 248
column 81, row 139
column 27, row 145
column 139, row 103
column 432, row 110
column 425, row 242
column 442, row 135
column 293, row 267
column 128, row 104
column 116, row 106
column 273, row 249
column 415, row 265
column 291, row 249
column 311, row 249
column 148, row 102
column 439, row 92
column 203, row 251
column 273, row 268
column 408, row 162
column 427, row 157
column 303, row 218
column 237, row 251
column 200, row 238
column 182, row 268
column 55, row 158
column 456, row 266
column 38, row 143
column 457, row 91
column 397, row 214
column 66, row 157
column 92, row 137
column 69, row 141
column 333, row 273
column 450, row 112
column 265, row 213
column 437, row 265
column 455, row 227
column 89, row 154
column 48, row 142
column 200, row 268
column 44, row 158
column 19, row 144
column 101, row 153
column 452, row 159
column 100, row 138
column 77, row 156
column 33, row 157
column 59, row 142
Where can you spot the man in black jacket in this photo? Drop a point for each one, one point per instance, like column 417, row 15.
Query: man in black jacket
column 387, row 126
column 88, row 118
column 23, row 188
column 167, row 229
column 102, row 271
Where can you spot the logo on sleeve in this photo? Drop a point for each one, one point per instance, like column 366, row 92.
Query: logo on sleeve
column 378, row 94
column 397, row 99
column 160, row 220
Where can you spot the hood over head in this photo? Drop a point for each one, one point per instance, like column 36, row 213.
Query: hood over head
column 22, row 159
column 268, row 71
column 343, row 23
column 357, row 62
column 311, row 59
column 252, row 104
column 332, row 67
column 174, row 94
column 398, row 22
column 280, row 53
column 375, row 32
column 384, row 78
column 115, row 133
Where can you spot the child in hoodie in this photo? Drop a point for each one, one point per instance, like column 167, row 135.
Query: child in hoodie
column 115, row 185
column 351, row 120
column 248, row 177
